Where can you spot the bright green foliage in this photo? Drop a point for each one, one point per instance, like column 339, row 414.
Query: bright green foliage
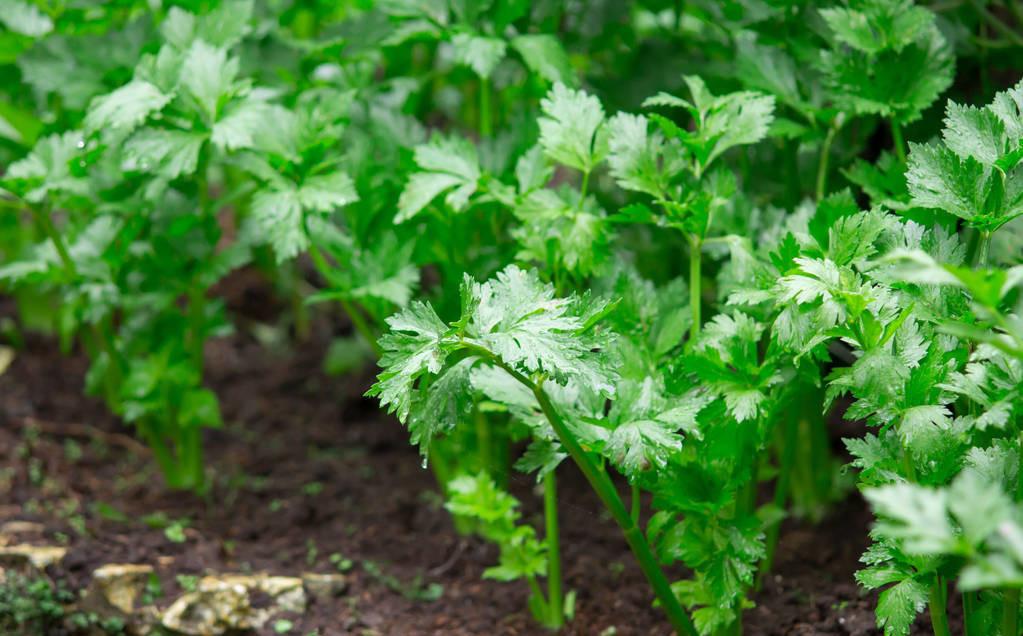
column 514, row 319
column 46, row 171
column 973, row 173
column 299, row 184
column 24, row 18
column 481, row 34
column 562, row 228
column 649, row 425
column 513, row 334
column 721, row 122
column 571, row 130
column 679, row 294
column 727, row 364
column 874, row 26
column 496, row 516
column 380, row 272
column 888, row 58
column 449, row 165
column 543, row 54
column 480, row 53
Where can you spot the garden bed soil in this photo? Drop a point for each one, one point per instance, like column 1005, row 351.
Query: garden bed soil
column 306, row 467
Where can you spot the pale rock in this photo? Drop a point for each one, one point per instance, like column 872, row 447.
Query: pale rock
column 117, row 586
column 324, row 586
column 30, row 559
column 224, row 603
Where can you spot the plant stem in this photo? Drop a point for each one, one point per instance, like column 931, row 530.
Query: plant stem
column 695, row 261
column 486, row 125
column 601, row 483
column 534, row 587
column 1010, row 612
column 1019, row 470
column 781, row 493
column 196, row 324
column 983, row 246
column 483, row 444
column 969, row 608
column 58, row 243
column 937, row 604
column 822, row 164
column 358, row 321
column 637, row 503
column 556, row 604
column 1011, row 597
column 500, row 455
column 583, row 188
column 361, row 326
column 996, row 23
column 1017, row 10
column 897, row 141
column 105, row 340
column 605, row 490
column 822, row 463
column 100, row 333
column 163, row 455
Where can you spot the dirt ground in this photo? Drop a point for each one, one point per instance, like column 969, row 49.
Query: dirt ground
column 307, row 469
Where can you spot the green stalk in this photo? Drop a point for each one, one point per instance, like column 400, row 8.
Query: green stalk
column 1011, row 597
column 190, row 459
column 163, row 455
column 1019, row 471
column 500, row 456
column 58, row 243
column 907, row 465
column 822, row 460
column 637, row 503
column 1017, row 10
column 361, row 326
column 998, row 24
column 602, row 485
column 1010, row 612
column 938, row 602
column 983, row 247
column 534, row 587
column 486, row 124
column 804, row 483
column 189, row 440
column 356, row 318
column 100, row 333
column 196, row 324
column 781, row 494
column 483, row 442
column 555, row 601
column 583, row 187
column 105, row 341
column 969, row 609
column 897, row 142
column 822, row 165
column 695, row 261
column 605, row 490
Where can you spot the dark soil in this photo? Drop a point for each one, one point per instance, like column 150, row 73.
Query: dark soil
column 306, row 468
